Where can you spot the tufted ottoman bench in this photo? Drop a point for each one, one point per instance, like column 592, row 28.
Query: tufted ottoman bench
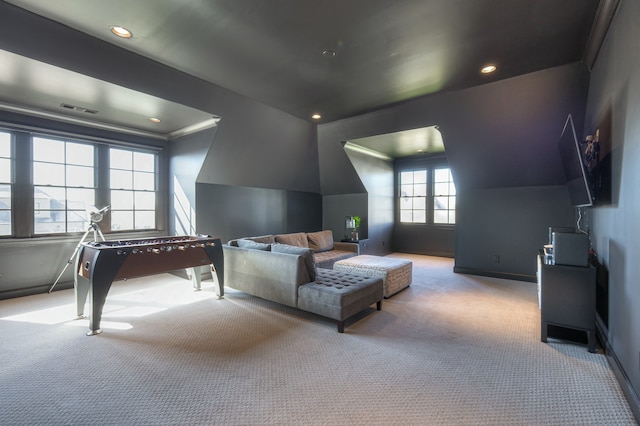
column 395, row 273
column 338, row 295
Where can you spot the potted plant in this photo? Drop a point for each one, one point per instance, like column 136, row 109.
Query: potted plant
column 356, row 225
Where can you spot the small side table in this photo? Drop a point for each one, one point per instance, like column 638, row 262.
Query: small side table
column 362, row 243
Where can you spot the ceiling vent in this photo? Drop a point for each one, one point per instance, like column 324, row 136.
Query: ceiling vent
column 79, row 108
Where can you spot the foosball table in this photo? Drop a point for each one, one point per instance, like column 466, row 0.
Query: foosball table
column 100, row 263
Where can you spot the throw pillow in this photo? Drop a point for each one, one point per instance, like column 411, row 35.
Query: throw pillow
column 320, row 241
column 306, row 253
column 248, row 244
column 298, row 239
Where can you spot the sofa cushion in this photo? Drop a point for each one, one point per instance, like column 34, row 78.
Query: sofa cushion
column 265, row 239
column 298, row 239
column 306, row 253
column 249, row 244
column 320, row 241
column 326, row 259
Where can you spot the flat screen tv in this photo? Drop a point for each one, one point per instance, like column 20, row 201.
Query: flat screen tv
column 577, row 179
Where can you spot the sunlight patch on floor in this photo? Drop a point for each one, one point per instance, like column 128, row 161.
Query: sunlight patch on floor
column 149, row 299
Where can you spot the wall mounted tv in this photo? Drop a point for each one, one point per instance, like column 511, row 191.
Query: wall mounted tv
column 577, row 179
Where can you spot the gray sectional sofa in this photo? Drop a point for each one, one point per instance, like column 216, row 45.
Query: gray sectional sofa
column 294, row 269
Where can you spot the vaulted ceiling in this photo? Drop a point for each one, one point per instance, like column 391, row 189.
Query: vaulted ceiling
column 336, row 58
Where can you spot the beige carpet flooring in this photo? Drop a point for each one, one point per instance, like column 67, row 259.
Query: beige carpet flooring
column 451, row 349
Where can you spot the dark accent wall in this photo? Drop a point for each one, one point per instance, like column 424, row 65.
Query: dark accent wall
column 500, row 135
column 335, row 209
column 376, row 176
column 614, row 102
column 232, row 211
column 259, row 175
column 501, row 230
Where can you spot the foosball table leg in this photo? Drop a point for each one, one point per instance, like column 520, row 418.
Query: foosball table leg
column 196, row 278
column 217, row 284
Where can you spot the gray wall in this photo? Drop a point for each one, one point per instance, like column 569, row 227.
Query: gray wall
column 233, row 211
column 376, row 176
column 335, row 209
column 614, row 97
column 507, row 227
column 260, row 175
column 500, row 135
column 187, row 154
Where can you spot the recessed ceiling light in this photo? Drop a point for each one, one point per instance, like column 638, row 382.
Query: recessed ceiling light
column 154, row 120
column 328, row 53
column 488, row 69
column 316, row 116
column 121, row 31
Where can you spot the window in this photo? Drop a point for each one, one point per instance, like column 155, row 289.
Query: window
column 5, row 183
column 413, row 196
column 444, row 197
column 427, row 196
column 63, row 185
column 49, row 183
column 132, row 188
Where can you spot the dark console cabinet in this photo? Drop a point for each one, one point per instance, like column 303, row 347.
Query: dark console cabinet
column 567, row 298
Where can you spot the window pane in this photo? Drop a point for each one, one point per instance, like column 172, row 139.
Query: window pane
column 5, row 144
column 406, row 178
column 144, row 162
column 145, row 219
column 419, row 203
column 419, row 216
column 121, row 179
column 441, row 216
column 77, row 221
column 120, row 159
column 420, row 176
column 5, row 209
column 406, row 216
column 48, row 174
column 5, row 196
column 48, row 150
column 406, row 191
column 442, row 175
column 80, row 176
column 441, row 188
column 121, row 220
column 5, row 170
column 420, row 190
column 145, row 201
column 121, row 200
column 80, row 154
column 441, row 203
column 143, row 181
column 49, row 222
column 80, row 199
column 49, row 198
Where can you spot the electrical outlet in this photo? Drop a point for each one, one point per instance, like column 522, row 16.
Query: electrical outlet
column 496, row 258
